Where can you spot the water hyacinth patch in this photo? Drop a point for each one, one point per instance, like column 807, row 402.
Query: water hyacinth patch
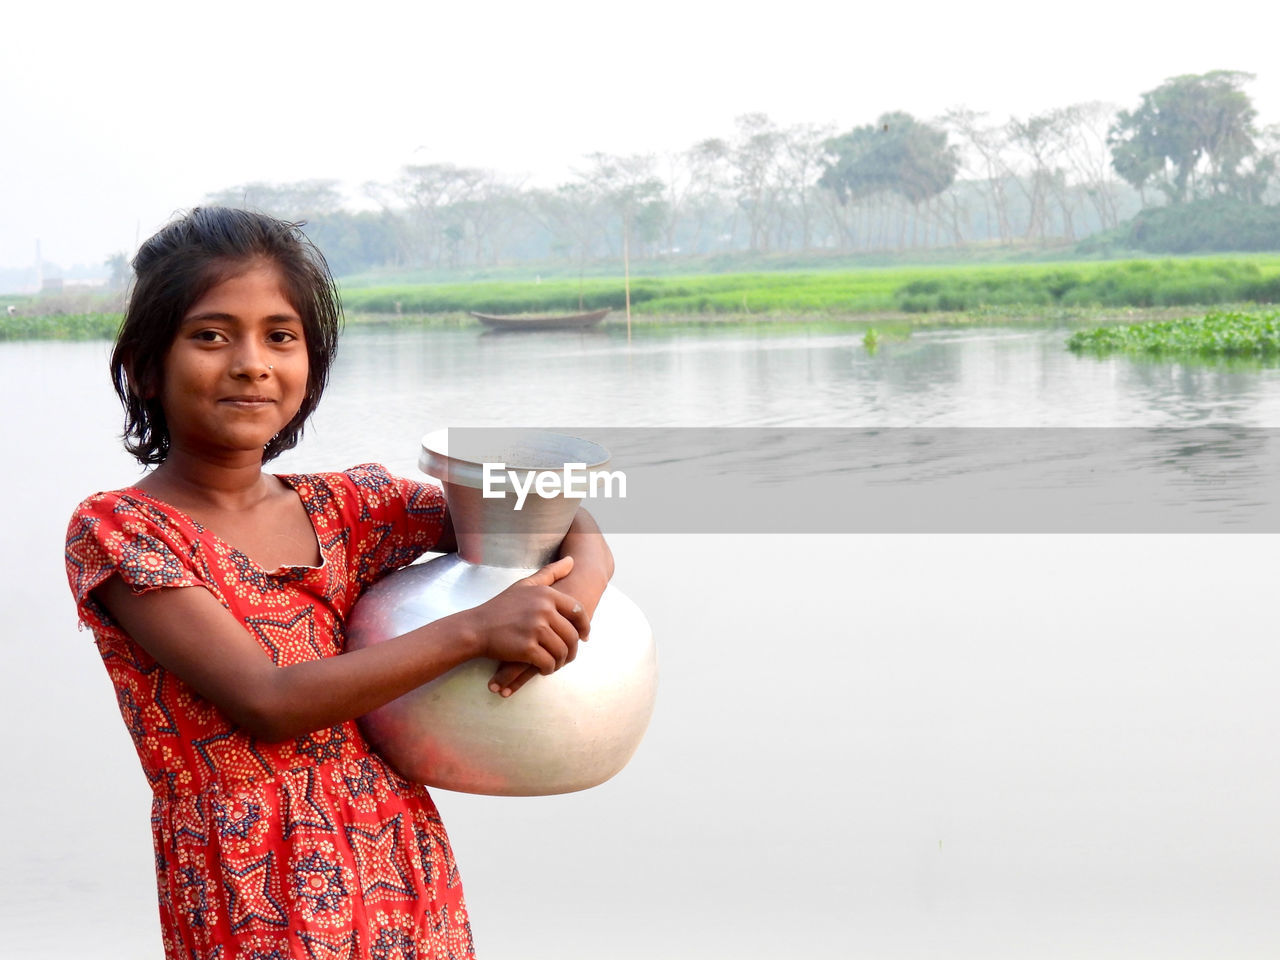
column 1216, row 334
column 74, row 326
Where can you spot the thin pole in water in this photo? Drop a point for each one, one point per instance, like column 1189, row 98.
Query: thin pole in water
column 626, row 275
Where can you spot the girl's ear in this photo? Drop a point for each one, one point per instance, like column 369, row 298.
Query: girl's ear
column 141, row 390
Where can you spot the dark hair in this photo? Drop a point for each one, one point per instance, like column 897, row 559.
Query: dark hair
column 178, row 266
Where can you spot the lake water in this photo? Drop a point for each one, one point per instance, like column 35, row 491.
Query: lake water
column 865, row 745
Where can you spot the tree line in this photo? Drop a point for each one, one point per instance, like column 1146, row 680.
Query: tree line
column 897, row 184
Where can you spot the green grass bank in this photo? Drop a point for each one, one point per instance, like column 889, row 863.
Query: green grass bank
column 1127, row 283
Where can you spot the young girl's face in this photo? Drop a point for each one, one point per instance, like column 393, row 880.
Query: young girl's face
column 236, row 372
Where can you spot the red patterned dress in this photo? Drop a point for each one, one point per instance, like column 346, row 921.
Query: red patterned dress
column 311, row 849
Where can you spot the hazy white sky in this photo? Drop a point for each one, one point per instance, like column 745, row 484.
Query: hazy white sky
column 118, row 114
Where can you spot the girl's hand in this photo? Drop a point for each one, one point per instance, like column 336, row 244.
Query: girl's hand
column 592, row 568
column 531, row 622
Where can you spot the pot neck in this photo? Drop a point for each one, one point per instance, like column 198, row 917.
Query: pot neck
column 492, row 532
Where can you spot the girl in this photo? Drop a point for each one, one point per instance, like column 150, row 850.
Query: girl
column 217, row 595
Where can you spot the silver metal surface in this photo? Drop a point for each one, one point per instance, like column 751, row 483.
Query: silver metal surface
column 491, row 530
column 568, row 731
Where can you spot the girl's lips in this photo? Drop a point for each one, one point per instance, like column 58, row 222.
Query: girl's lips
column 247, row 401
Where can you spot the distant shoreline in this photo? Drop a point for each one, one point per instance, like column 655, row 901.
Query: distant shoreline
column 1069, row 292
column 103, row 326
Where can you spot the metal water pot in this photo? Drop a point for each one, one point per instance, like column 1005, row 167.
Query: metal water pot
column 568, row 731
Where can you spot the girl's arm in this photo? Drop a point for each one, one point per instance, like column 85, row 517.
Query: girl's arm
column 592, row 562
column 194, row 637
column 592, row 570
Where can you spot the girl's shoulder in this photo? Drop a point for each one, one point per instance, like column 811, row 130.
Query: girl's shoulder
column 132, row 509
column 365, row 492
column 371, row 476
column 147, row 542
column 384, row 520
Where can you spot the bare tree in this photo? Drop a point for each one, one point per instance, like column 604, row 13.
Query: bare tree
column 711, row 186
column 984, row 155
column 798, row 172
column 428, row 194
column 1083, row 133
column 631, row 187
column 1037, row 138
column 487, row 214
column 288, row 201
column 755, row 158
column 573, row 215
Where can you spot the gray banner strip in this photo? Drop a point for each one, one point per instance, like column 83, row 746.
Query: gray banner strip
column 947, row 480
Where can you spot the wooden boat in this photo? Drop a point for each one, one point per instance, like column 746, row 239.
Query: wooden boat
column 536, row 321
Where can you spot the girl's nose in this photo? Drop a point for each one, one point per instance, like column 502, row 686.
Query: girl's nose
column 250, row 364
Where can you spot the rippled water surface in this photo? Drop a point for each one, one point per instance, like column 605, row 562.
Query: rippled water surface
column 865, row 746
column 725, row 376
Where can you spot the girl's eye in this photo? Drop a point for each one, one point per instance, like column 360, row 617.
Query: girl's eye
column 282, row 336
column 209, row 336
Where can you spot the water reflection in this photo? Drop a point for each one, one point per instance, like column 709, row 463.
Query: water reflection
column 733, row 377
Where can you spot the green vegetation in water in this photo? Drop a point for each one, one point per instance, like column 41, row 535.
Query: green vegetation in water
column 64, row 326
column 871, row 340
column 1217, row 334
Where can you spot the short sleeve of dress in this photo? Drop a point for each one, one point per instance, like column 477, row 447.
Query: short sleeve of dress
column 114, row 534
column 401, row 519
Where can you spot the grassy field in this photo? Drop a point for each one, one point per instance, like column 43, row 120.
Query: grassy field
column 810, row 261
column 1129, row 283
column 1217, row 334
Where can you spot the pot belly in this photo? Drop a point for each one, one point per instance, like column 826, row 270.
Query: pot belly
column 568, row 731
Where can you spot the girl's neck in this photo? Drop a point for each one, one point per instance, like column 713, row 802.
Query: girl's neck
column 187, row 481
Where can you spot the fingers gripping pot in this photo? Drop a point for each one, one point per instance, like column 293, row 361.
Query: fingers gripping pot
column 568, row 731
